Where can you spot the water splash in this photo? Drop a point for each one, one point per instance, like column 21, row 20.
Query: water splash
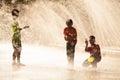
column 104, row 17
column 47, row 21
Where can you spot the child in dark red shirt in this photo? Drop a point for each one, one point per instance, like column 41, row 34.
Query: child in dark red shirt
column 70, row 36
column 95, row 54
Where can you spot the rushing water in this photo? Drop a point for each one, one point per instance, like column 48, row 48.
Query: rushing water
column 46, row 19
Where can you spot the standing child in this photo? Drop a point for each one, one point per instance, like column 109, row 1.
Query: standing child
column 16, row 38
column 70, row 36
column 95, row 53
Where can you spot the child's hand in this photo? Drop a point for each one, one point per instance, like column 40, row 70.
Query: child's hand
column 66, row 38
column 86, row 42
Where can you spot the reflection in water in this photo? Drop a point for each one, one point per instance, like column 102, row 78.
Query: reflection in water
column 82, row 74
column 91, row 75
column 45, row 63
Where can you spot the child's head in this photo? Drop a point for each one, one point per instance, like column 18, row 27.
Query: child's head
column 15, row 12
column 69, row 22
column 92, row 39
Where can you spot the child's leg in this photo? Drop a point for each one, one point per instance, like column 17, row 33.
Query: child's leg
column 86, row 63
column 70, row 57
column 70, row 54
column 18, row 57
column 18, row 54
column 94, row 64
column 14, row 56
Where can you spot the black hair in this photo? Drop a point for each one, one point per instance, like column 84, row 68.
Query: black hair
column 92, row 37
column 69, row 21
column 14, row 12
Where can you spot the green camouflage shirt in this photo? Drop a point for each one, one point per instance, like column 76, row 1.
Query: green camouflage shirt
column 16, row 39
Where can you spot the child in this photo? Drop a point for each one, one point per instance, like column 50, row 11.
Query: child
column 95, row 54
column 70, row 35
column 16, row 38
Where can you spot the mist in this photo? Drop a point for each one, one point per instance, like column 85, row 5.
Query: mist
column 47, row 18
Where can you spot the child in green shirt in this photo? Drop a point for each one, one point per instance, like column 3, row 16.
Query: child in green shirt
column 16, row 38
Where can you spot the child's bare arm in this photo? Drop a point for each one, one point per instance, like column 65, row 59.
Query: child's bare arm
column 23, row 27
column 86, row 42
column 26, row 27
